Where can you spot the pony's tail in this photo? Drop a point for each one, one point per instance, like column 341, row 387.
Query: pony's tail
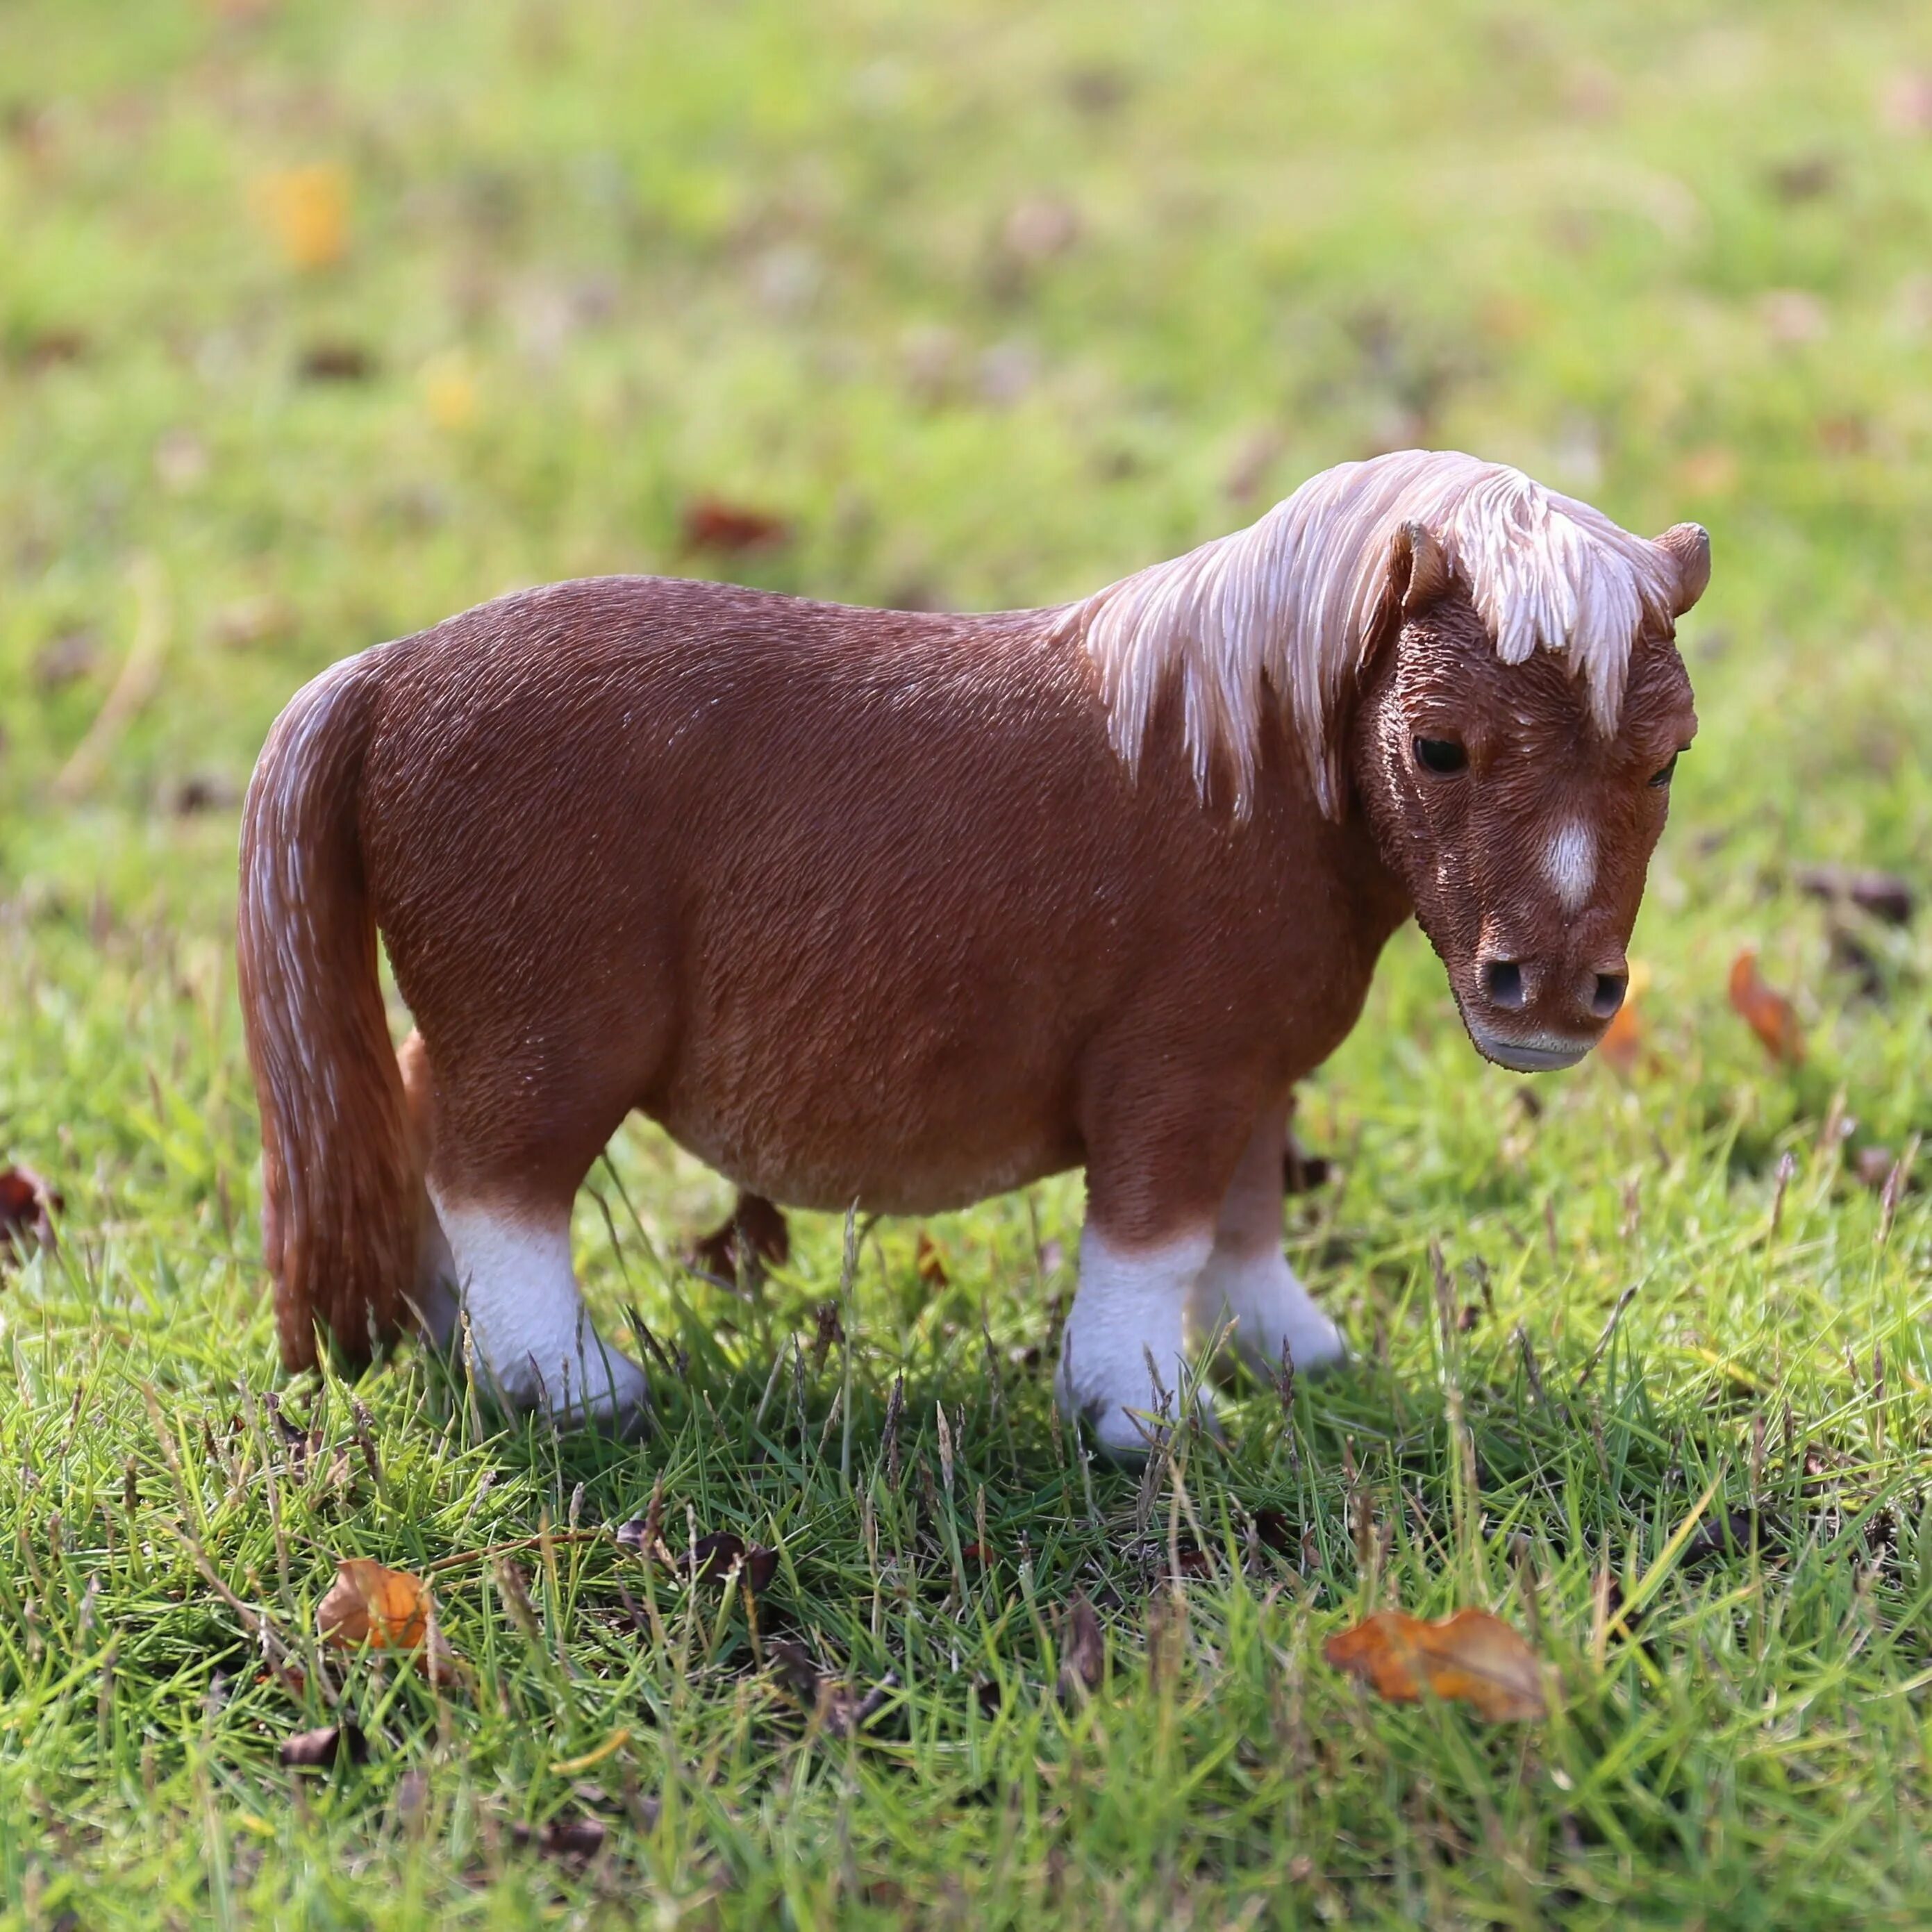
column 341, row 1179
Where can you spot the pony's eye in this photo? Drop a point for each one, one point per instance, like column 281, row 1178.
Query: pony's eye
column 1440, row 755
column 1659, row 779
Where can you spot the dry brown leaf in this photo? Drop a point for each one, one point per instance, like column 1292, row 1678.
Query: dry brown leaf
column 754, row 1233
column 1766, row 1010
column 1471, row 1656
column 839, row 1707
column 730, row 529
column 1083, row 1652
column 929, row 1263
column 28, row 1206
column 387, row 1610
column 318, row 1750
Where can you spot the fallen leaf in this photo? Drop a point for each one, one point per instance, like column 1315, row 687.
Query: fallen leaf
column 708, row 1560
column 753, row 1234
column 1730, row 1534
column 1272, row 1531
column 449, row 390
column 710, row 523
column 1040, row 228
column 1302, row 1172
column 1884, row 894
column 28, row 1206
column 1803, row 178
column 336, row 362
column 1083, row 1652
column 318, row 1750
column 52, row 347
column 66, row 659
column 306, row 209
column 1471, row 1656
column 387, row 1610
column 567, row 1839
column 714, row 1555
column 1766, row 1010
column 838, row 1707
column 1621, row 1046
column 1873, row 1166
column 411, row 1800
column 202, row 792
column 928, row 1262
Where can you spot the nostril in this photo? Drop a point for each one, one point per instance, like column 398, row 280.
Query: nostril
column 1502, row 982
column 1608, row 995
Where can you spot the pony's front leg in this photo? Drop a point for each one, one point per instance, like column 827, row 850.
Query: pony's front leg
column 1125, row 1345
column 1158, row 1164
column 1246, row 1284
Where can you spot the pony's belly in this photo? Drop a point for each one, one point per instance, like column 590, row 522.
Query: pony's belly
column 928, row 1173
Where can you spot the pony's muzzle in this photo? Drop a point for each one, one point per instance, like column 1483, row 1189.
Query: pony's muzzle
column 1535, row 1014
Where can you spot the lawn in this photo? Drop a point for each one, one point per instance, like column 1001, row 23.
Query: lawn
column 320, row 321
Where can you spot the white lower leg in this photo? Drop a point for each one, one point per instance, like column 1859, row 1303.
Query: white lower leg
column 1131, row 1305
column 536, row 1345
column 1259, row 1294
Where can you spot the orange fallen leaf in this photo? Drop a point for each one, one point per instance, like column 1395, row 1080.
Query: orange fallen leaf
column 1472, row 1657
column 714, row 523
column 1621, row 1046
column 307, row 211
column 387, row 1610
column 1766, row 1010
column 928, row 1262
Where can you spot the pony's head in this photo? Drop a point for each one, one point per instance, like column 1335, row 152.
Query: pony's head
column 1520, row 817
column 1485, row 668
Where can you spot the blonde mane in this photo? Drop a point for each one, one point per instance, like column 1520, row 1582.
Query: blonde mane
column 1285, row 607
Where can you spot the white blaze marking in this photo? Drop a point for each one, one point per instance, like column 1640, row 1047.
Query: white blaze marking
column 535, row 1342
column 1571, row 864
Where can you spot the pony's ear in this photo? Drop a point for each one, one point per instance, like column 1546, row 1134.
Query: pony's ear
column 1688, row 548
column 1418, row 571
column 1417, row 574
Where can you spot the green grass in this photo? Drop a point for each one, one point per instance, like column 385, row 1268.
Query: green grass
column 604, row 261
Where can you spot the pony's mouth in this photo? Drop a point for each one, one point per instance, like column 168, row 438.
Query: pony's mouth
column 1541, row 1053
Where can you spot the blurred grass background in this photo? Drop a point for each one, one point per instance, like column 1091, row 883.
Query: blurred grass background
column 319, row 322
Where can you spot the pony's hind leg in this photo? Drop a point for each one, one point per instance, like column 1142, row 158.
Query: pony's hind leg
column 1246, row 1284
column 536, row 1345
column 511, row 1146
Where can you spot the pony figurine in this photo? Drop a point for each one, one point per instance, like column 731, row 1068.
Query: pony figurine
column 905, row 909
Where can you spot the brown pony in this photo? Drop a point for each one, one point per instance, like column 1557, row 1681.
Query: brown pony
column 905, row 909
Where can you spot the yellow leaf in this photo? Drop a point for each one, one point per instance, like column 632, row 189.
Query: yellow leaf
column 1472, row 1657
column 307, row 211
column 449, row 390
